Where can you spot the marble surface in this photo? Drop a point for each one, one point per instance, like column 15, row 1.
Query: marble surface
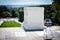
column 20, row 34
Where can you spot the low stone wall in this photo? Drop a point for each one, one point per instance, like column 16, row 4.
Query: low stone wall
column 4, row 19
column 8, row 19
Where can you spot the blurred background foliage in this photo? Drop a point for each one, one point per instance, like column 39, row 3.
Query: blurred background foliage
column 55, row 7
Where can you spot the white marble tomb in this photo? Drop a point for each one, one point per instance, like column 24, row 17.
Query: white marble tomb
column 33, row 18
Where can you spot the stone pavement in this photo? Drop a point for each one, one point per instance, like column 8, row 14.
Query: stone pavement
column 17, row 34
column 20, row 34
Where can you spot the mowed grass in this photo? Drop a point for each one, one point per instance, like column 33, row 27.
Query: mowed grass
column 10, row 24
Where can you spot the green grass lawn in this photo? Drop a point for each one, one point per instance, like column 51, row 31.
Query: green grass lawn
column 10, row 24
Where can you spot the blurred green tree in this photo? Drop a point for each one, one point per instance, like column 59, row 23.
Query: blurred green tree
column 15, row 12
column 21, row 14
column 55, row 7
column 7, row 14
column 2, row 10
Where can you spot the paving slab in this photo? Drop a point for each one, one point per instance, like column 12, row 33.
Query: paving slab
column 20, row 34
